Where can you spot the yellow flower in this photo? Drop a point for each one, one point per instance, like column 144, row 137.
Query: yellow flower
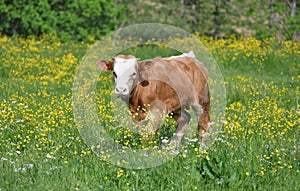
column 120, row 173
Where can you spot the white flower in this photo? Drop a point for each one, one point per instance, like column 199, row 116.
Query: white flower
column 53, row 168
column 193, row 140
column 29, row 165
column 23, row 170
column 224, row 122
column 220, row 181
column 220, row 139
column 211, row 123
column 2, row 158
column 19, row 121
column 49, row 157
column 165, row 141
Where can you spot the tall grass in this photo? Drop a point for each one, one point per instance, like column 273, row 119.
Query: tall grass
column 257, row 147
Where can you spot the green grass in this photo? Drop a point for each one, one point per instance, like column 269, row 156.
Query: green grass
column 41, row 148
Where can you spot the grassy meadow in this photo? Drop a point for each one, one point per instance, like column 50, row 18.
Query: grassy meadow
column 258, row 146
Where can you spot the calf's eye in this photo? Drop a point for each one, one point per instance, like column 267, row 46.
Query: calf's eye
column 133, row 75
column 144, row 83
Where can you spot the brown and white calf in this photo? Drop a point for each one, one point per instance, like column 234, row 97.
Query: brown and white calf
column 163, row 86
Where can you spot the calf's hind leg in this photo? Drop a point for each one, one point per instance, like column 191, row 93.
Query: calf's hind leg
column 203, row 128
column 203, row 124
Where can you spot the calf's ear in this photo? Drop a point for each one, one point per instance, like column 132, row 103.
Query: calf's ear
column 143, row 71
column 143, row 78
column 106, row 65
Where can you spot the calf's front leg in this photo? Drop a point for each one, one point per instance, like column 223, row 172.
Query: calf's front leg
column 182, row 118
column 156, row 113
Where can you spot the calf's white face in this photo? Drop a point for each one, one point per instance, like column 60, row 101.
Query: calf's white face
column 124, row 72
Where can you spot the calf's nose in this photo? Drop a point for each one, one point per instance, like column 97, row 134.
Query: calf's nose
column 120, row 89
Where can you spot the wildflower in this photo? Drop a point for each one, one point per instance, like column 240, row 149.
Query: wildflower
column 120, row 173
column 165, row 140
column 29, row 165
column 207, row 157
column 23, row 170
column 49, row 156
column 221, row 181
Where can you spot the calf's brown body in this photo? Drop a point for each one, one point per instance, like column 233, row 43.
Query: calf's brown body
column 166, row 85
